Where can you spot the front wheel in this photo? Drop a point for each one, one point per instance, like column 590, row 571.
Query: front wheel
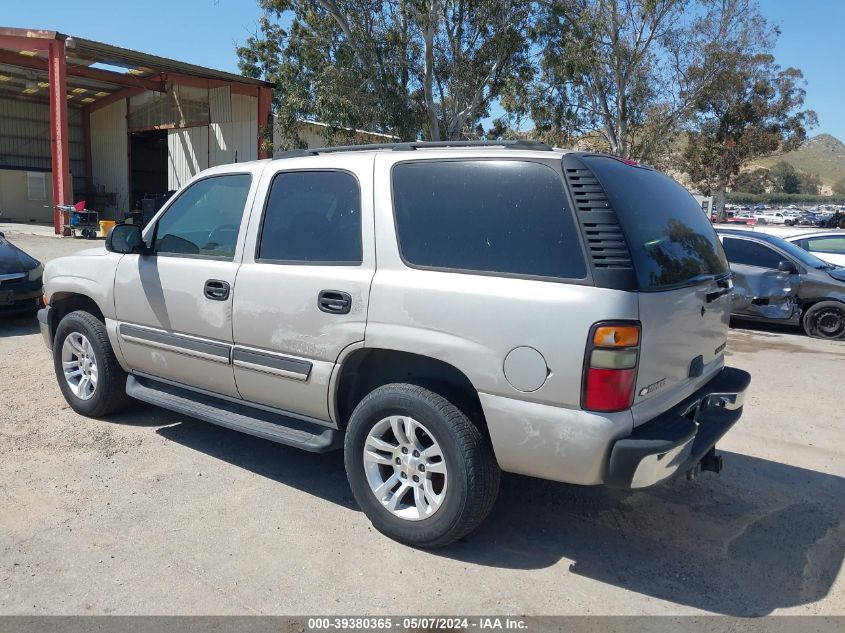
column 825, row 319
column 420, row 470
column 89, row 375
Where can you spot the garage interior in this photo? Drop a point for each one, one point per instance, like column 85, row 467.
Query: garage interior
column 84, row 120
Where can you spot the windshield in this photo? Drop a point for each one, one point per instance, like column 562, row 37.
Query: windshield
column 671, row 240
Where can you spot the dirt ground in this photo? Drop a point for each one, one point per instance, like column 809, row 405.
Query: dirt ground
column 151, row 512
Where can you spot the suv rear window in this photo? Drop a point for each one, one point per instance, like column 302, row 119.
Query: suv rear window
column 494, row 216
column 672, row 242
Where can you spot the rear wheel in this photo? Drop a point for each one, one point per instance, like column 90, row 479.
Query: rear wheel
column 91, row 379
column 421, row 471
column 825, row 319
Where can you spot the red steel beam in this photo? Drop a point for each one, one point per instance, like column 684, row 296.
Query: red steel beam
column 86, row 140
column 25, row 43
column 120, row 95
column 62, row 186
column 265, row 105
column 106, row 76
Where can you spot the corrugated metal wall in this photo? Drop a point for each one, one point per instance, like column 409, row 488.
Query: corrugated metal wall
column 109, row 155
column 187, row 151
column 194, row 149
column 25, row 138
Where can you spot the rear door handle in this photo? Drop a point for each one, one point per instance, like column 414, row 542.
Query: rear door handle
column 334, row 302
column 216, row 290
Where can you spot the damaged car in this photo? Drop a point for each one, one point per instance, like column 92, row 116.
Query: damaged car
column 775, row 281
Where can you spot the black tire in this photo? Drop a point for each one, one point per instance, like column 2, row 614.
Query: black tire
column 110, row 391
column 825, row 319
column 473, row 474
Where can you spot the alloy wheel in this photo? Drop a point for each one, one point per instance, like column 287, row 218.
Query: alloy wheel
column 405, row 468
column 79, row 365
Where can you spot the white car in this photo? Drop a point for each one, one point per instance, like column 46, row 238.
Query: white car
column 826, row 245
column 770, row 218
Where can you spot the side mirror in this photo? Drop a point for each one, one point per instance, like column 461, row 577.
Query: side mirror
column 126, row 239
column 787, row 267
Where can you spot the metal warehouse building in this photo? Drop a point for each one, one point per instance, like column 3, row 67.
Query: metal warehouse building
column 83, row 120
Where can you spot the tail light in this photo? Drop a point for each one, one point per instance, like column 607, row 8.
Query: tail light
column 610, row 366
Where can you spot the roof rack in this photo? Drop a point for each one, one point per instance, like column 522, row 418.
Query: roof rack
column 410, row 146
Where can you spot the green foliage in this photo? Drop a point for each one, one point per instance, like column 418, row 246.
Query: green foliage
column 839, row 187
column 757, row 181
column 785, row 178
column 741, row 197
column 823, row 155
column 410, row 68
column 627, row 70
column 781, row 178
column 751, row 108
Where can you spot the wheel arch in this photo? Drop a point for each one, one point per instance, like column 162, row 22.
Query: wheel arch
column 63, row 303
column 365, row 369
column 806, row 304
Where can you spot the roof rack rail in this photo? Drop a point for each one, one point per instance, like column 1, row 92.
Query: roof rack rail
column 410, row 146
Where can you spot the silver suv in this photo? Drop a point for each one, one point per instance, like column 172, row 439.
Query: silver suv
column 441, row 312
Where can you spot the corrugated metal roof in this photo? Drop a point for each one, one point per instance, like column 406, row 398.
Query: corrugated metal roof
column 127, row 58
column 84, row 52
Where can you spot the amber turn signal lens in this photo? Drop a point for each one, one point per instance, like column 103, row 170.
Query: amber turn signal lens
column 617, row 336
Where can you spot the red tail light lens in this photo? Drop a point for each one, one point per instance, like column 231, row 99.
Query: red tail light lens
column 609, row 389
column 610, row 367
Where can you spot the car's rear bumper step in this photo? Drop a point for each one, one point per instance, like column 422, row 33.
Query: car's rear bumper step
column 240, row 417
column 679, row 439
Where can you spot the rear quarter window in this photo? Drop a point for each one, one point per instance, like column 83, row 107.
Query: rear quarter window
column 671, row 240
column 506, row 217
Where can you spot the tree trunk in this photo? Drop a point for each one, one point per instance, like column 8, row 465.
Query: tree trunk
column 431, row 111
column 719, row 202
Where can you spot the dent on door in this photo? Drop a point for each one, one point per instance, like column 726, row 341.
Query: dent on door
column 770, row 294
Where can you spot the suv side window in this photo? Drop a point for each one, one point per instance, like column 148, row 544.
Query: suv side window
column 312, row 217
column 493, row 216
column 205, row 219
column 751, row 253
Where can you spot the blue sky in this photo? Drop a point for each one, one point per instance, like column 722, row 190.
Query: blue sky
column 205, row 32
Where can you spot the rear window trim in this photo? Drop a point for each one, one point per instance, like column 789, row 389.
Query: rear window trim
column 298, row 262
column 553, row 164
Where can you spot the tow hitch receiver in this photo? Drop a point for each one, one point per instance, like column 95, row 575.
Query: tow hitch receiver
column 711, row 462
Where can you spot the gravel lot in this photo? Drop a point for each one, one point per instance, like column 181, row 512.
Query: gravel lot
column 151, row 512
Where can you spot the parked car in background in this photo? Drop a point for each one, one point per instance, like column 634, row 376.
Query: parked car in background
column 778, row 282
column 440, row 313
column 826, row 245
column 770, row 217
column 834, row 220
column 20, row 279
column 791, row 217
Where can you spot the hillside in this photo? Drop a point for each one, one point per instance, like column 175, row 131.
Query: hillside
column 823, row 155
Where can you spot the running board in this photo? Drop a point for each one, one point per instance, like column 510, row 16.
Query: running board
column 240, row 417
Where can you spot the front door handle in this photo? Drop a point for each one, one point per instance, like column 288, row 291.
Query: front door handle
column 216, row 290
column 334, row 302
